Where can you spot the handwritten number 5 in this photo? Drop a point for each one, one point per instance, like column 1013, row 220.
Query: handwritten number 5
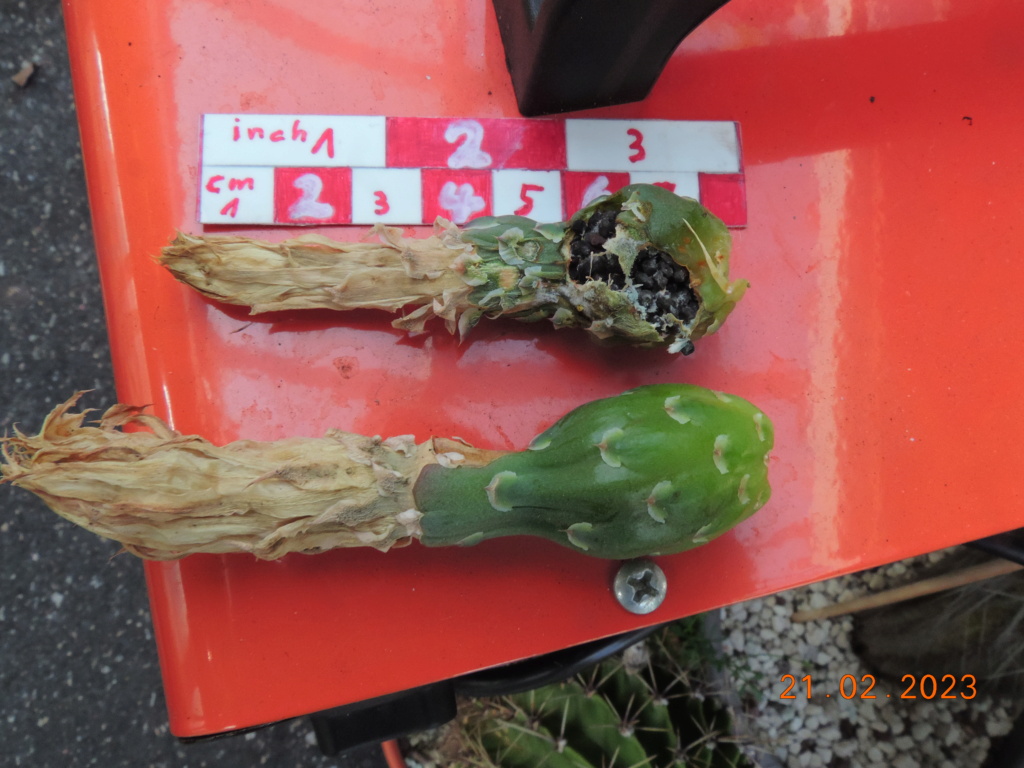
column 524, row 195
column 639, row 153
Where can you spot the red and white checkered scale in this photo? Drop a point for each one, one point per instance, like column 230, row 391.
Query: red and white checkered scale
column 325, row 170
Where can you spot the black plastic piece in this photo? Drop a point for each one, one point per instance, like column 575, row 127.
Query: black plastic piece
column 375, row 720
column 386, row 717
column 551, row 668
column 567, row 55
column 1009, row 545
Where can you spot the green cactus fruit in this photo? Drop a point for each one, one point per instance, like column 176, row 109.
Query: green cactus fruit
column 666, row 255
column 641, row 709
column 642, row 266
column 660, row 469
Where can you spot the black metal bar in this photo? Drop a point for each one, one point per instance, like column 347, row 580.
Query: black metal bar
column 1009, row 545
column 567, row 55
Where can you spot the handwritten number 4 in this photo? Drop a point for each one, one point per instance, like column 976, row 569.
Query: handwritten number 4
column 639, row 153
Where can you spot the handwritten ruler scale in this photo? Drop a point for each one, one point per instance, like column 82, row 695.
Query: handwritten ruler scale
column 312, row 170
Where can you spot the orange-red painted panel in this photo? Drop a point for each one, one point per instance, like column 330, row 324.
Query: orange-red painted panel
column 881, row 332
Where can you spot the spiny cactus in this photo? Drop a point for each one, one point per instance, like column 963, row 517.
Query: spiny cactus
column 641, row 709
column 643, row 266
column 658, row 469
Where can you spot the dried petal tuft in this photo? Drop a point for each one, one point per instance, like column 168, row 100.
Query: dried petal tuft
column 164, row 495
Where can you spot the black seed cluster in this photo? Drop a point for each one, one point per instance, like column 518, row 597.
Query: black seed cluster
column 588, row 259
column 663, row 287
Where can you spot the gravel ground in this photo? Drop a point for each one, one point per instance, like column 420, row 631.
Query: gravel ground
column 759, row 644
column 79, row 679
column 763, row 644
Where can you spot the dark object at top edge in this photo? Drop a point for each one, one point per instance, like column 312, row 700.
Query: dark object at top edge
column 567, row 55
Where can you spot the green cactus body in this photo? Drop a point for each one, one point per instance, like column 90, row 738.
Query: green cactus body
column 525, row 744
column 643, row 265
column 513, row 260
column 563, row 714
column 613, row 714
column 657, row 470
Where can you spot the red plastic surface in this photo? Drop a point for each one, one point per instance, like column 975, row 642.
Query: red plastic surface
column 884, row 179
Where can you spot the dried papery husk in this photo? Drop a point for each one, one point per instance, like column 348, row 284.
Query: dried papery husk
column 314, row 272
column 165, row 495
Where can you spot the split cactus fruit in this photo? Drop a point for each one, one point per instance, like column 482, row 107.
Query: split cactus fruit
column 656, row 470
column 641, row 709
column 643, row 266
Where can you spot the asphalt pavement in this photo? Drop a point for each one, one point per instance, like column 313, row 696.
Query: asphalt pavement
column 79, row 678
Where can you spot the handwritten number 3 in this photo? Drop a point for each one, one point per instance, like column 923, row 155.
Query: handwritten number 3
column 639, row 153
column 381, row 200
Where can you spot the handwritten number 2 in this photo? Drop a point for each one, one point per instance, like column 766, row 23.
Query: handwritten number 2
column 309, row 205
column 468, row 154
column 639, row 153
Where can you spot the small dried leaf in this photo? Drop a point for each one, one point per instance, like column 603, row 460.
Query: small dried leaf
column 23, row 75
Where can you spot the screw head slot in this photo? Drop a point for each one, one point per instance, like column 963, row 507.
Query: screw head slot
column 640, row 586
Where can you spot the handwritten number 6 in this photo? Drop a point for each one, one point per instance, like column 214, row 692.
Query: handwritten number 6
column 639, row 153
